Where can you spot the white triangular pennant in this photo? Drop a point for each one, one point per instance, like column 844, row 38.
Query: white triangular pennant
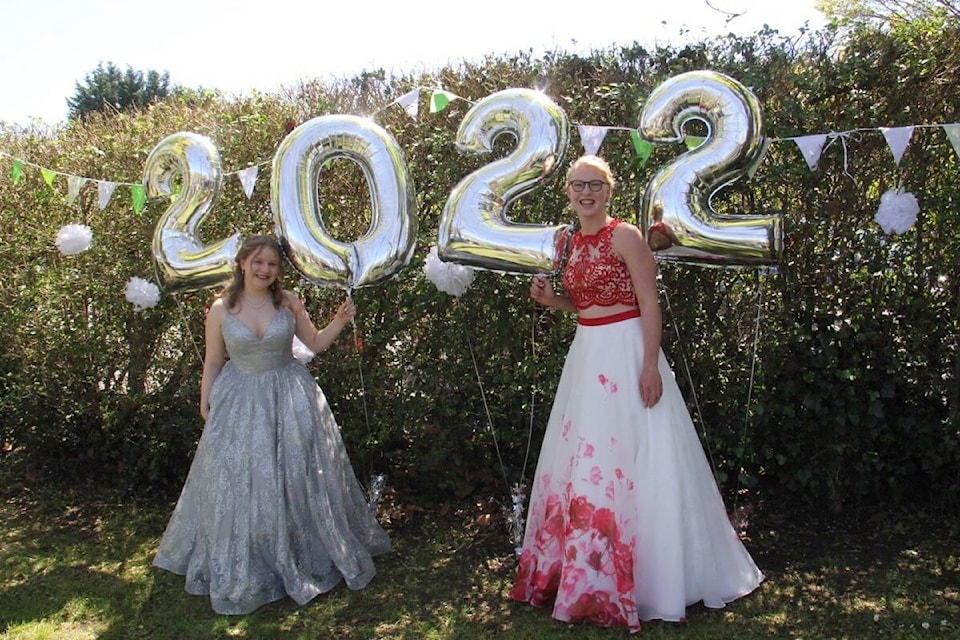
column 897, row 139
column 74, row 184
column 410, row 102
column 248, row 178
column 104, row 193
column 811, row 147
column 591, row 137
column 953, row 134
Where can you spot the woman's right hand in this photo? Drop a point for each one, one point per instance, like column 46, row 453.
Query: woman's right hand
column 541, row 290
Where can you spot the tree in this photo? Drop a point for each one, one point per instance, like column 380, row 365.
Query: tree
column 852, row 13
column 107, row 88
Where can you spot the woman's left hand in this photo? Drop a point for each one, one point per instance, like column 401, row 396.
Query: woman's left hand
column 651, row 386
column 346, row 311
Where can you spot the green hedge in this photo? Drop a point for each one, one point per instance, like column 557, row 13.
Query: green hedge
column 832, row 382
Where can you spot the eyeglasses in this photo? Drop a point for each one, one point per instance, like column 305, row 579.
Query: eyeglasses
column 595, row 185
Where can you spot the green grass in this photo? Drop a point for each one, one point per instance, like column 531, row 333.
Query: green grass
column 72, row 570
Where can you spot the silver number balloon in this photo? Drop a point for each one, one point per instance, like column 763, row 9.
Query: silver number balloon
column 184, row 261
column 391, row 239
column 676, row 211
column 474, row 227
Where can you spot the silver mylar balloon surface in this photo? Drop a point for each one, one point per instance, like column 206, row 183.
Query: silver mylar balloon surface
column 391, row 239
column 475, row 229
column 676, row 213
column 184, row 262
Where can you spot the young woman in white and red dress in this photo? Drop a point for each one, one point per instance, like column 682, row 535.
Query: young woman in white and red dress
column 626, row 522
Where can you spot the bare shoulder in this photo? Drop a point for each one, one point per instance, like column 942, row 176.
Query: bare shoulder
column 627, row 239
column 216, row 312
column 218, row 307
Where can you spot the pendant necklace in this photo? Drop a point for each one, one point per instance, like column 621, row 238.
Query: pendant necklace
column 261, row 305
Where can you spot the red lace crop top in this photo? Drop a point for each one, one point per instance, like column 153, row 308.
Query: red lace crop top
column 595, row 274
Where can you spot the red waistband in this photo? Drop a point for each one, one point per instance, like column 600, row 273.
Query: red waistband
column 617, row 317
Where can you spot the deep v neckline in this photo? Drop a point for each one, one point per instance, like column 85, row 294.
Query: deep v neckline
column 265, row 329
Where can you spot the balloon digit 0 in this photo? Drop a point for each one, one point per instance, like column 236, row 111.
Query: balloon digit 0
column 389, row 243
column 185, row 263
column 676, row 213
column 474, row 227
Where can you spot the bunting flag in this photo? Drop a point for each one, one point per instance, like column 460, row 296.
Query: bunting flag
column 74, row 184
column 104, row 193
column 897, row 139
column 953, row 134
column 591, row 137
column 811, row 147
column 439, row 100
column 138, row 197
column 641, row 147
column 48, row 176
column 248, row 178
column 410, row 102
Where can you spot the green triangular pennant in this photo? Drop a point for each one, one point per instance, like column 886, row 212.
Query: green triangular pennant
column 439, row 101
column 17, row 171
column 693, row 142
column 642, row 148
column 48, row 176
column 138, row 196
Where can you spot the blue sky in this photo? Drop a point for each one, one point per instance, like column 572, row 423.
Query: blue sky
column 241, row 45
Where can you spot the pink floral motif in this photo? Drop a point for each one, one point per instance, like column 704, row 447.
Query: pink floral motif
column 579, row 563
column 596, row 476
column 581, row 513
column 566, row 428
column 597, row 608
column 608, row 385
column 554, row 526
column 605, row 522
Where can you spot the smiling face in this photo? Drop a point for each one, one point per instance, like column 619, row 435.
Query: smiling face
column 260, row 269
column 588, row 189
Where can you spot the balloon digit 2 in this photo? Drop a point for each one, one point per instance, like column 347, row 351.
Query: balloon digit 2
column 676, row 213
column 474, row 227
column 184, row 262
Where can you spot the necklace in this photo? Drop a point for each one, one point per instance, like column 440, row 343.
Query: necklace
column 261, row 305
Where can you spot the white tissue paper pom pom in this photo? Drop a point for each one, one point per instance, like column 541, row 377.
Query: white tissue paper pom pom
column 73, row 239
column 898, row 211
column 448, row 277
column 301, row 351
column 141, row 293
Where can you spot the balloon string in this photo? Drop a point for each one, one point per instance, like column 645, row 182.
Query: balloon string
column 363, row 390
column 486, row 408
column 183, row 316
column 533, row 389
column 753, row 368
column 693, row 391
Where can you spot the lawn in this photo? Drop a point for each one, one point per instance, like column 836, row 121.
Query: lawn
column 73, row 569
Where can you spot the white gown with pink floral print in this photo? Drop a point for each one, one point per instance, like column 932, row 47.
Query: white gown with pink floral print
column 625, row 521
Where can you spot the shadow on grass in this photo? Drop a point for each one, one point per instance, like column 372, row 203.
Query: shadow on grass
column 75, row 572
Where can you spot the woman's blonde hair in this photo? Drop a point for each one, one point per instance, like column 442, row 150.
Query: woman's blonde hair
column 597, row 163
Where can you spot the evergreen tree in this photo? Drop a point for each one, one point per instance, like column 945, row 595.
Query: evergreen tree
column 109, row 89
